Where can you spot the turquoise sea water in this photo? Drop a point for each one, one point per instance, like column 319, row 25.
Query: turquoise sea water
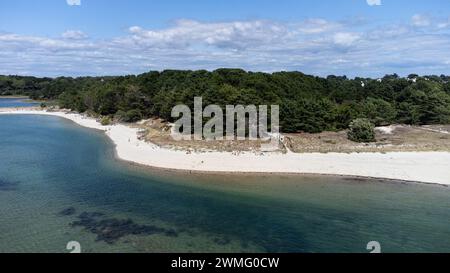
column 15, row 102
column 59, row 182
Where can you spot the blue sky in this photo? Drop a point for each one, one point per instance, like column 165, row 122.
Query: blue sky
column 321, row 37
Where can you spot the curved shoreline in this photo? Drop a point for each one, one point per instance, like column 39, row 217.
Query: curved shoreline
column 425, row 167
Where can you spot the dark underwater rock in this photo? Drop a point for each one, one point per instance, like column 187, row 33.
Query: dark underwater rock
column 222, row 241
column 68, row 212
column 8, row 185
column 111, row 230
column 171, row 233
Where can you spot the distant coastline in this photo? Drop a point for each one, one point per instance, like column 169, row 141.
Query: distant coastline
column 426, row 167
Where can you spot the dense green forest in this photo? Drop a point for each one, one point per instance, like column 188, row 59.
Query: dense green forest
column 307, row 103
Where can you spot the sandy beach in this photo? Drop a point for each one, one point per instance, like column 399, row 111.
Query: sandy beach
column 427, row 167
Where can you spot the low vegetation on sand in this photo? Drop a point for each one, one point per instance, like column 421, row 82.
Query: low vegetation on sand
column 361, row 130
column 105, row 121
column 395, row 138
column 159, row 132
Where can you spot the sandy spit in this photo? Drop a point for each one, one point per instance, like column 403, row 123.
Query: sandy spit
column 427, row 167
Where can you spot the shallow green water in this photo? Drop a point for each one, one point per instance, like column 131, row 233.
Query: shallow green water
column 60, row 182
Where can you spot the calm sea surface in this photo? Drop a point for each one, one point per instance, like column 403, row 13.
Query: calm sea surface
column 15, row 102
column 59, row 182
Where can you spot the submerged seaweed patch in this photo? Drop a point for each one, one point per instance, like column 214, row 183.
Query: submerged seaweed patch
column 110, row 230
column 68, row 212
column 222, row 241
column 8, row 185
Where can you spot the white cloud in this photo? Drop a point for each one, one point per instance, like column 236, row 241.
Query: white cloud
column 236, row 35
column 73, row 2
column 74, row 35
column 374, row 2
column 444, row 24
column 419, row 20
column 314, row 46
column 317, row 26
column 345, row 38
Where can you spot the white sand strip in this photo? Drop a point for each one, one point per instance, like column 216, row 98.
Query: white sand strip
column 428, row 167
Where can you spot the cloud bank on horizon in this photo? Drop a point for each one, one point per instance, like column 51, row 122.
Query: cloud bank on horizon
column 319, row 46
